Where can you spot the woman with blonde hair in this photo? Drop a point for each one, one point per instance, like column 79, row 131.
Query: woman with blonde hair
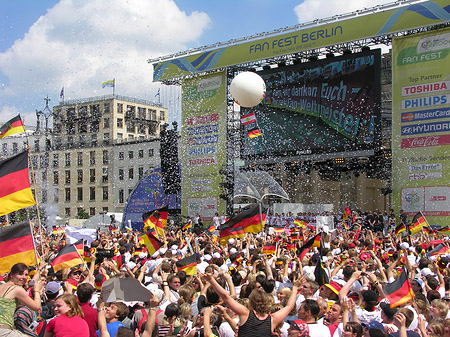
column 438, row 309
column 256, row 320
column 69, row 320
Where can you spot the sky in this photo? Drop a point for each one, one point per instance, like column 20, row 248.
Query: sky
column 46, row 45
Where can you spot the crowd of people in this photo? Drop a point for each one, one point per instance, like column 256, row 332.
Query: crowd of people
column 239, row 288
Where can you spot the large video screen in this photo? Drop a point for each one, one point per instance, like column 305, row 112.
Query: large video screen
column 321, row 107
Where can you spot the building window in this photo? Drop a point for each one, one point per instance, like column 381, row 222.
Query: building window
column 106, row 108
column 141, row 128
column 67, row 177
column 44, row 196
column 105, row 175
column 36, row 146
column 92, row 175
column 130, row 173
column 91, row 211
column 70, row 129
column 83, row 141
column 82, row 127
column 80, row 193
column 55, row 177
column 162, row 115
column 141, row 154
column 119, row 108
column 67, row 212
column 67, row 162
column 106, row 123
column 80, row 176
column 105, row 209
column 44, row 176
column 91, row 158
column 95, row 126
column 70, row 142
column 129, row 192
column 44, row 160
column 141, row 113
column 56, row 195
column 67, row 194
column 141, row 172
column 120, row 137
column 82, row 112
column 121, row 174
column 121, row 156
column 152, row 114
column 95, row 110
column 120, row 123
column 105, row 157
column 106, row 138
column 91, row 193
column 130, row 154
column 105, row 193
column 55, row 160
column 94, row 140
column 150, row 152
column 131, row 127
column 80, row 158
column 120, row 196
column 35, row 161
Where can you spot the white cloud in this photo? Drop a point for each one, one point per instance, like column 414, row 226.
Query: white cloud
column 79, row 44
column 310, row 10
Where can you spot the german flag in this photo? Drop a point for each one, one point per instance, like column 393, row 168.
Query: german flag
column 211, row 228
column 228, row 233
column 58, row 230
column 87, row 254
column 188, row 264
column 440, row 249
column 317, row 241
column 164, row 214
column 444, row 230
column 16, row 245
column 12, row 127
column 15, row 192
column 399, row 291
column 151, row 242
column 79, row 245
column 320, row 274
column 347, row 213
column 419, row 220
column 119, row 260
column 400, row 228
column 68, row 257
column 253, row 133
column 428, row 230
column 278, row 231
column 308, row 245
column 152, row 220
column 187, row 225
column 295, row 236
column 269, row 249
column 300, row 223
column 249, row 220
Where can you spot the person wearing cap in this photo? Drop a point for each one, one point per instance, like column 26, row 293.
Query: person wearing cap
column 330, row 291
column 308, row 312
column 52, row 291
column 140, row 316
column 298, row 328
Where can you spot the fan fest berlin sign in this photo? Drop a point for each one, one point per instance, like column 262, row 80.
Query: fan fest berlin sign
column 421, row 125
column 356, row 28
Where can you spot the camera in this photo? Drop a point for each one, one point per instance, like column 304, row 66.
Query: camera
column 33, row 325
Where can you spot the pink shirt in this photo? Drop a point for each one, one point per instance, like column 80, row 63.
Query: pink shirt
column 63, row 326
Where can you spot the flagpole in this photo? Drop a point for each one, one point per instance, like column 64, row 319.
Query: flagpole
column 114, row 87
column 35, row 192
column 260, row 217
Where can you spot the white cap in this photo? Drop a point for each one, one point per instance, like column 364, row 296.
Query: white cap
column 216, row 255
column 174, row 252
column 426, row 272
column 142, row 255
column 131, row 264
column 233, row 251
column 155, row 255
column 207, row 257
column 231, row 241
column 251, row 247
column 174, row 247
column 162, row 251
column 404, row 245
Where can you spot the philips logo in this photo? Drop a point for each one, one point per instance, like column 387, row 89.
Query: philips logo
column 437, row 42
column 210, row 83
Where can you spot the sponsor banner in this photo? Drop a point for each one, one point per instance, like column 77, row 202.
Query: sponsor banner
column 310, row 36
column 425, row 115
column 421, row 165
column 204, row 135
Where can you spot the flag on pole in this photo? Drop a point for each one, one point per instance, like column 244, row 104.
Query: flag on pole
column 109, row 83
column 159, row 92
column 347, row 213
column 300, row 223
column 308, row 245
column 249, row 220
column 231, row 232
column 399, row 292
column 253, row 133
column 417, row 223
column 440, row 249
column 152, row 220
column 320, row 274
column 400, row 228
column 187, row 225
column 16, row 245
column 79, row 245
column 68, row 257
column 444, row 230
column 61, row 94
column 15, row 191
column 188, row 264
column 247, row 119
column 12, row 127
column 211, row 228
column 269, row 249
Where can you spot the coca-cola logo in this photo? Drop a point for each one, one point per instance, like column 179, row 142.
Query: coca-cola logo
column 425, row 141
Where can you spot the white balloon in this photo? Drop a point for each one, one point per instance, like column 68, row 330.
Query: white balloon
column 248, row 89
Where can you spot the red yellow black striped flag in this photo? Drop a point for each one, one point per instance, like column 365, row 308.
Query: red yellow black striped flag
column 152, row 243
column 399, row 291
column 15, row 191
column 253, row 133
column 11, row 127
column 269, row 249
column 156, row 219
column 249, row 220
column 232, row 232
column 308, row 245
column 79, row 245
column 16, row 245
column 400, row 228
column 68, row 257
column 187, row 225
column 188, row 264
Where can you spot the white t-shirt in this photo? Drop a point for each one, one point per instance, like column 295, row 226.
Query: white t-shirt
column 318, row 330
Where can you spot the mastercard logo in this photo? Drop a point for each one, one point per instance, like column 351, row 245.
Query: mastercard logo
column 408, row 117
